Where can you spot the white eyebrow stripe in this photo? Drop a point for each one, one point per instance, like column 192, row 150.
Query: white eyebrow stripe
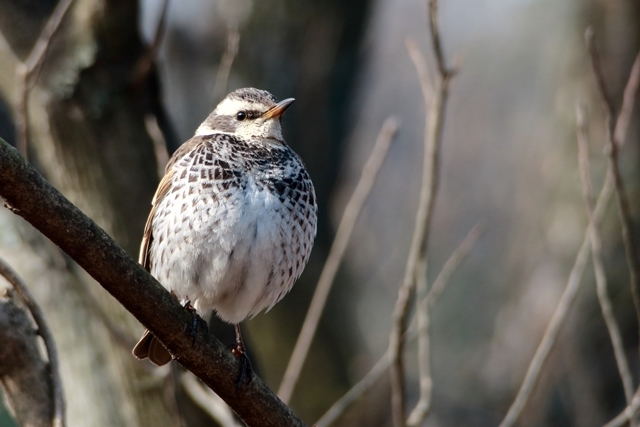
column 229, row 107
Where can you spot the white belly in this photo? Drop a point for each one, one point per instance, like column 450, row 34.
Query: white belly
column 239, row 254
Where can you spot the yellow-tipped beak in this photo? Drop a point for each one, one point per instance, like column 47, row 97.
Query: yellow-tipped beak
column 277, row 110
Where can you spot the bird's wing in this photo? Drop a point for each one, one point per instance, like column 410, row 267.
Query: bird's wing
column 147, row 237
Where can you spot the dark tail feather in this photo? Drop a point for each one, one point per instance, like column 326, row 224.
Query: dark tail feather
column 150, row 347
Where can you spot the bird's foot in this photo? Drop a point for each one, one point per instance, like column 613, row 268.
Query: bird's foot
column 196, row 319
column 240, row 351
column 246, row 371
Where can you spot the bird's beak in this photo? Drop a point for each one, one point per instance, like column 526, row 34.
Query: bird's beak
column 277, row 110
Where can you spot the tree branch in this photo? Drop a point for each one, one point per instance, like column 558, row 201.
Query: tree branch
column 613, row 147
column 573, row 283
column 434, row 121
column 458, row 255
column 598, row 265
column 29, row 195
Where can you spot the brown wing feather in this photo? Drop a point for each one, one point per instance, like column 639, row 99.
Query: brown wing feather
column 147, row 237
column 163, row 188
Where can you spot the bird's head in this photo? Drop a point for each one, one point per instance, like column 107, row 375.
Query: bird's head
column 247, row 113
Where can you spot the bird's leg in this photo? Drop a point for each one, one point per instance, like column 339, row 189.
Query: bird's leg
column 240, row 351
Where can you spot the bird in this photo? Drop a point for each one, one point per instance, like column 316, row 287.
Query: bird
column 234, row 217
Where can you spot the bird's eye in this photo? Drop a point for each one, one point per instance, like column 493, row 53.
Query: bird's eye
column 241, row 116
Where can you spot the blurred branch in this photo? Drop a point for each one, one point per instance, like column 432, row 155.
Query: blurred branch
column 435, row 111
column 208, row 401
column 573, row 283
column 598, row 265
column 29, row 195
column 27, row 73
column 452, row 263
column 224, row 70
column 628, row 413
column 146, row 61
column 613, row 147
column 421, row 410
column 420, row 62
column 425, row 301
column 343, row 234
column 381, row 365
column 58, row 416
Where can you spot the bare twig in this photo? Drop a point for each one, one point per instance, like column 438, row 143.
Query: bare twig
column 381, row 365
column 573, row 282
column 47, row 336
column 452, row 263
column 347, row 223
column 613, row 147
column 598, row 266
column 627, row 415
column 436, row 44
column 420, row 62
column 421, row 410
column 146, row 61
column 224, row 70
column 159, row 142
column 27, row 72
column 434, row 120
column 425, row 301
column 208, row 401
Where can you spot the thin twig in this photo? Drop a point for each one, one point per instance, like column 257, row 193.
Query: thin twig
column 345, row 229
column 598, row 265
column 458, row 255
column 453, row 262
column 208, row 401
column 159, row 142
column 421, row 410
column 613, row 147
column 434, row 121
column 420, row 62
column 627, row 414
column 436, row 44
column 425, row 301
column 573, row 283
column 27, row 72
column 47, row 337
column 224, row 70
column 146, row 61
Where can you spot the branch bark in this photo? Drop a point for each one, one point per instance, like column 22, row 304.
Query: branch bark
column 29, row 195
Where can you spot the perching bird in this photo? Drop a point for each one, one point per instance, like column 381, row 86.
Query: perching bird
column 233, row 219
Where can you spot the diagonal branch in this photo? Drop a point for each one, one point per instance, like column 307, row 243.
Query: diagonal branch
column 29, row 195
column 458, row 255
column 573, row 283
column 613, row 149
column 598, row 265
column 338, row 248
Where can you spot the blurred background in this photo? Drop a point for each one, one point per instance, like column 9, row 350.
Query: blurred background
column 509, row 162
